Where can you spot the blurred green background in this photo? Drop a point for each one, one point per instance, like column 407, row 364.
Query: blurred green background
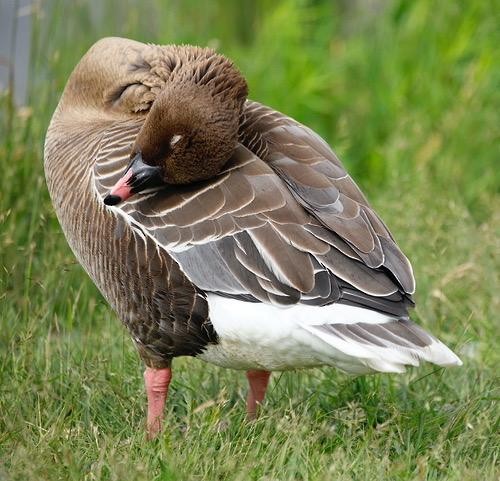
column 408, row 95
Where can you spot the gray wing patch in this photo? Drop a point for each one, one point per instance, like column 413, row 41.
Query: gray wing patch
column 320, row 184
column 281, row 232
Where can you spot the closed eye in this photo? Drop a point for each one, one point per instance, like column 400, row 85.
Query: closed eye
column 174, row 140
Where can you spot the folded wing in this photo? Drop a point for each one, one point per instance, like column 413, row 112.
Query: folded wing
column 282, row 224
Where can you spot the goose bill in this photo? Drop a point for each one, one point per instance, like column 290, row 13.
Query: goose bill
column 139, row 177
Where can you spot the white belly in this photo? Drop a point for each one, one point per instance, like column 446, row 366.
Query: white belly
column 262, row 336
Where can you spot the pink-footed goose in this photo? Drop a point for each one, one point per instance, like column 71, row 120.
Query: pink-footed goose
column 220, row 228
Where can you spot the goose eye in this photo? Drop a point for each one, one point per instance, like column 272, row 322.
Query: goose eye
column 174, row 140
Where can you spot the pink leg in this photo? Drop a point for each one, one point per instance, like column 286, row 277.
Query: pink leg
column 258, row 381
column 157, row 382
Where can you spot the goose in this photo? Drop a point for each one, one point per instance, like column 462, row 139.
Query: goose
column 219, row 228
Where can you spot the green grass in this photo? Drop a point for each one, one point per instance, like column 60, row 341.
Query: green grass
column 409, row 97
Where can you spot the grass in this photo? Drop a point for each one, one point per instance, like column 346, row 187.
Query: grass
column 408, row 96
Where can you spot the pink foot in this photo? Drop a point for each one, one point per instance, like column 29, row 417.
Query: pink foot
column 157, row 382
column 258, row 381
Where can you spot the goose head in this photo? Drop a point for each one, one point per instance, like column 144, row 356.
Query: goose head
column 188, row 135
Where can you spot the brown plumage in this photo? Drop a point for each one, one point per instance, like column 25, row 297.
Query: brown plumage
column 236, row 203
column 208, row 93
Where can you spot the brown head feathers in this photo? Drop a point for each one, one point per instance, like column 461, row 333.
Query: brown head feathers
column 190, row 132
column 191, row 98
column 191, row 129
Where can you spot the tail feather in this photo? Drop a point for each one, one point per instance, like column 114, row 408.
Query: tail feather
column 385, row 346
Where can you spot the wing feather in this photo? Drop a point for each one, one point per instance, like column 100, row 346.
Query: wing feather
column 321, row 185
column 283, row 223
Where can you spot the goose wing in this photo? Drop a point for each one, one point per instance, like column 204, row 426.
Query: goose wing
column 320, row 184
column 282, row 224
